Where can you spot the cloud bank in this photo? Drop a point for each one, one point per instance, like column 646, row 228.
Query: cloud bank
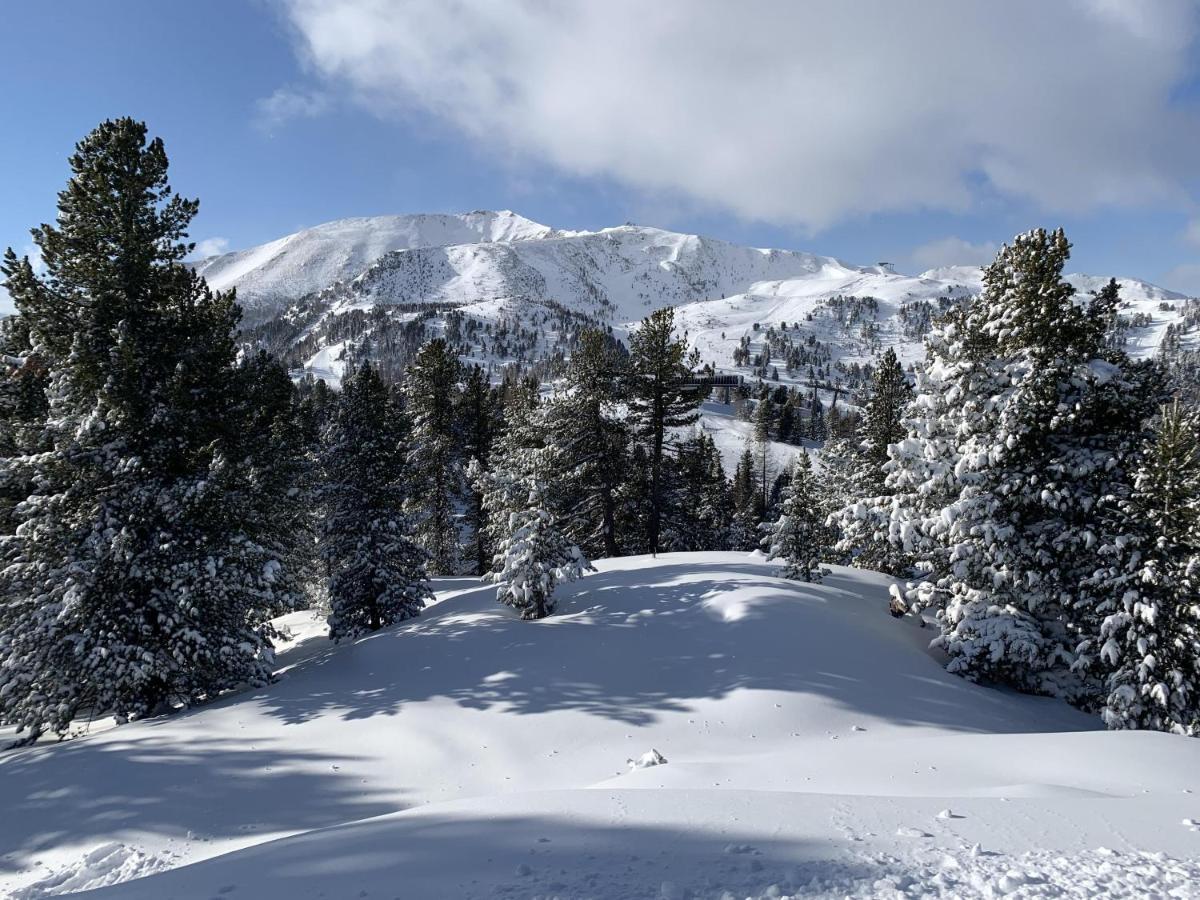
column 803, row 113
column 953, row 251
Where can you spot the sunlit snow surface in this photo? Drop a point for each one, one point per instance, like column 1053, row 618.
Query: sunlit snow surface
column 812, row 747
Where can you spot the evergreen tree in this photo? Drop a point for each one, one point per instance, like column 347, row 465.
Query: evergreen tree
column 762, row 421
column 882, row 425
column 142, row 572
column 279, row 483
column 799, row 536
column 591, row 444
column 23, row 408
column 533, row 555
column 748, row 508
column 817, row 430
column 862, row 516
column 1148, row 646
column 376, row 572
column 434, row 462
column 480, row 420
column 1016, row 458
column 660, row 399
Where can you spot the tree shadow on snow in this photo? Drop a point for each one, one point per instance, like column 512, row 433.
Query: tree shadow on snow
column 629, row 645
column 147, row 783
column 434, row 856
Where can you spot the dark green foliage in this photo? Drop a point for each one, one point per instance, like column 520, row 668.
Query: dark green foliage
column 659, row 400
column 591, row 444
column 435, row 463
column 146, row 564
column 376, row 573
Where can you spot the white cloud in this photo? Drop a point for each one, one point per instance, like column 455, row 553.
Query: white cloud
column 953, row 251
column 803, row 113
column 1184, row 278
column 287, row 104
column 1191, row 234
column 213, row 246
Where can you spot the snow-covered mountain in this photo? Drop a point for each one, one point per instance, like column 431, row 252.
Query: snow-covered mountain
column 313, row 259
column 495, row 268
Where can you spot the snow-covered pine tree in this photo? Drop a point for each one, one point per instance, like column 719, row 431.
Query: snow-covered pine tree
column 799, row 536
column 136, row 577
column 660, row 400
column 23, row 382
column 435, row 466
column 862, row 516
column 275, row 487
column 532, row 553
column 1017, row 453
column 1148, row 646
column 590, row 443
column 376, row 572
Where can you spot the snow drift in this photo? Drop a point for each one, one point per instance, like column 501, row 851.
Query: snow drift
column 813, row 742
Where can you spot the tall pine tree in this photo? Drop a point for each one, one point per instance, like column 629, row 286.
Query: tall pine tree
column 591, row 443
column 1148, row 645
column 376, row 572
column 142, row 572
column 533, row 555
column 1008, row 483
column 434, row 463
column 660, row 399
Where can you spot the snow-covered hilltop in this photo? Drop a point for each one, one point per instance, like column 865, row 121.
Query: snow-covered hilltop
column 313, row 259
column 812, row 748
column 495, row 267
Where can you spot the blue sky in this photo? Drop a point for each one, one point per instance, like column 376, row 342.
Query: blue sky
column 921, row 140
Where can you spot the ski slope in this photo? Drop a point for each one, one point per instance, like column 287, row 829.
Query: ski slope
column 812, row 745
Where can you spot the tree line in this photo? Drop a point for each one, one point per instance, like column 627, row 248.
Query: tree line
column 168, row 490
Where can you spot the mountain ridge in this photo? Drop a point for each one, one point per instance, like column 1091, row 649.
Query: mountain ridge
column 317, row 289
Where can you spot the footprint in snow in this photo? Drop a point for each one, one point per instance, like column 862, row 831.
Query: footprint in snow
column 906, row 832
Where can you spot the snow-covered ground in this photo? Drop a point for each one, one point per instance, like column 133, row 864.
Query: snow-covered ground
column 812, row 747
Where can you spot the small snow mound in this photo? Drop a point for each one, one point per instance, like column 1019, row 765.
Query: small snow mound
column 948, row 814
column 100, row 867
column 646, row 760
column 905, row 832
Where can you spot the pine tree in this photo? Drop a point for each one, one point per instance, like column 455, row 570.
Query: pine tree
column 660, row 399
column 138, row 576
column 859, row 473
column 1017, row 453
column 799, row 536
column 748, row 508
column 763, row 474
column 533, row 555
column 591, row 444
column 882, row 425
column 480, row 420
column 434, row 463
column 376, row 572
column 1148, row 646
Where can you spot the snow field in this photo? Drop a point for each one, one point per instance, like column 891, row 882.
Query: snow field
column 812, row 747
